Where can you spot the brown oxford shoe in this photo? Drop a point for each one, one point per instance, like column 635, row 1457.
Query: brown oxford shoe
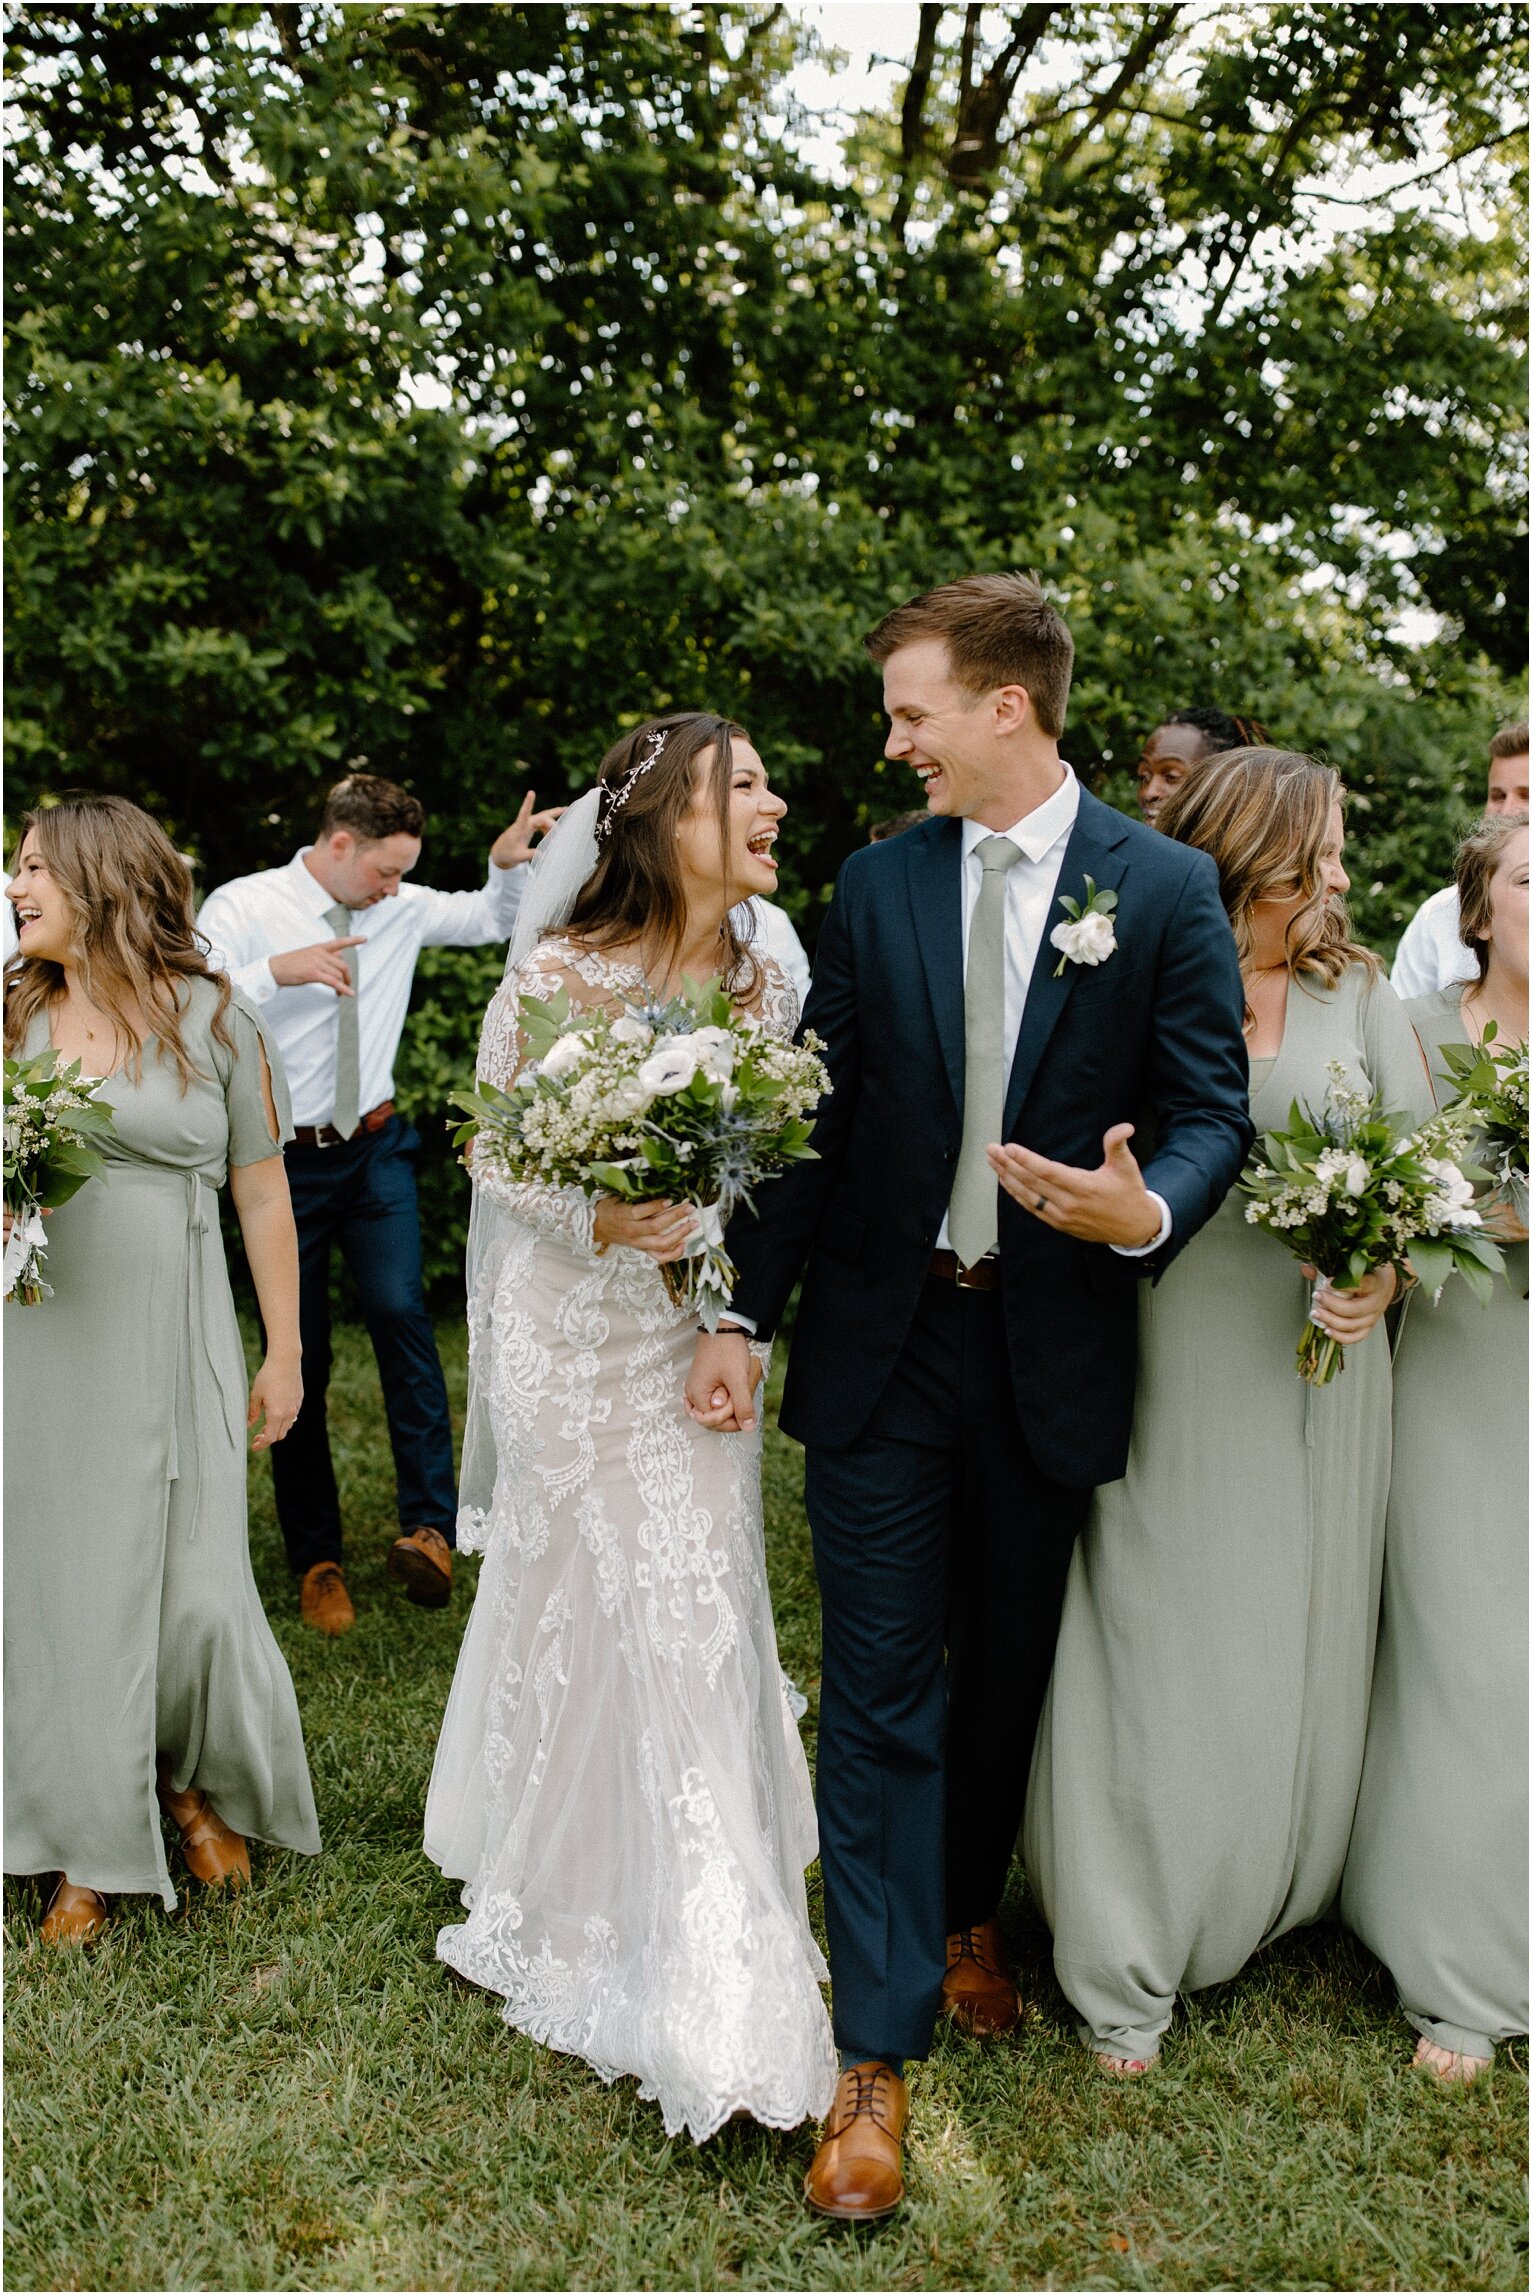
column 421, row 1562
column 324, row 1601
column 858, row 2170
column 75, row 1915
column 978, row 1990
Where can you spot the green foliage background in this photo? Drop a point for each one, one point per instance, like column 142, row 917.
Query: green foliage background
column 448, row 387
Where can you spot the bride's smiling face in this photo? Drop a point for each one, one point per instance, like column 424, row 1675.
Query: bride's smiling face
column 741, row 863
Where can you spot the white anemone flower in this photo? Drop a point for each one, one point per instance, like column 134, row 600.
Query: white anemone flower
column 670, row 1067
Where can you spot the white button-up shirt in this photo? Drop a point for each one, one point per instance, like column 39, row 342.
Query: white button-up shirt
column 1031, row 885
column 1431, row 955
column 776, row 936
column 257, row 917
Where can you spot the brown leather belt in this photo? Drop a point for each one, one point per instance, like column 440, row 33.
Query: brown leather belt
column 983, row 1276
column 325, row 1135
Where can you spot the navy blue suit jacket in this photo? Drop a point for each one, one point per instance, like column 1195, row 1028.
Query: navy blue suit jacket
column 1152, row 1037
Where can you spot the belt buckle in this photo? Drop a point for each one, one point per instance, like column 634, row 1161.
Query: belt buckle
column 967, row 1278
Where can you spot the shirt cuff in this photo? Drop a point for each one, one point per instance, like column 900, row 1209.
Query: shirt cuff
column 255, row 981
column 733, row 1322
column 1143, row 1250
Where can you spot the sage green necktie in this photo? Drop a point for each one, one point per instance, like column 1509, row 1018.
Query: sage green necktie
column 348, row 1045
column 973, row 1216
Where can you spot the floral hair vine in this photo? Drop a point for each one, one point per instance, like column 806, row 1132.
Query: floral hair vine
column 610, row 811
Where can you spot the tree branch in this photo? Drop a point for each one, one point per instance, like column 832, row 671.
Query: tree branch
column 1160, row 28
column 284, row 14
column 975, row 150
column 912, row 119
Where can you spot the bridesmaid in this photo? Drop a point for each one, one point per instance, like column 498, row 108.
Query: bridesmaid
column 140, row 1672
column 1436, row 1881
column 1196, row 1769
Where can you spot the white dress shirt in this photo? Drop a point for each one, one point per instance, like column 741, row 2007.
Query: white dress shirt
column 776, row 937
column 254, row 918
column 1431, row 955
column 1031, row 887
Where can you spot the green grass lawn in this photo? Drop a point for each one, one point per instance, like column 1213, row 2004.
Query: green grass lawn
column 288, row 2090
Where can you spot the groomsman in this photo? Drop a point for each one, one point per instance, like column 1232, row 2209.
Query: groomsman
column 327, row 947
column 1431, row 953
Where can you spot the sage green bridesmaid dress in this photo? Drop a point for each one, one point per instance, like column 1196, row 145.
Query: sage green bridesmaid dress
column 1196, row 1768
column 1436, row 1879
column 132, row 1622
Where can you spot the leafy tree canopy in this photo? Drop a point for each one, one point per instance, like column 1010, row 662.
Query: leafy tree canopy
column 447, row 387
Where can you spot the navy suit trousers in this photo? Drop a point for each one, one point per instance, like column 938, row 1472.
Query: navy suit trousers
column 942, row 1552
column 362, row 1196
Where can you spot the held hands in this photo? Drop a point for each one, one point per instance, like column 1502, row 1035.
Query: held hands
column 278, row 1391
column 1351, row 1316
column 720, row 1387
column 1108, row 1205
column 661, row 1229
column 321, row 966
column 518, row 843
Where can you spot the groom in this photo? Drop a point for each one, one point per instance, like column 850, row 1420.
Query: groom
column 962, row 1369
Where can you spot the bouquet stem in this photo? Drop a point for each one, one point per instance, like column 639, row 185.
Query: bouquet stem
column 1320, row 1358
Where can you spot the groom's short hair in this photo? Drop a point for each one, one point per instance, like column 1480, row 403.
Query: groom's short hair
column 372, row 808
column 999, row 629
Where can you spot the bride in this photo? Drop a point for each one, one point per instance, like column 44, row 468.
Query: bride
column 619, row 1781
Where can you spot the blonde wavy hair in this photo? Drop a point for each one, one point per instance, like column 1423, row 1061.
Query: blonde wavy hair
column 1478, row 857
column 1264, row 815
column 136, row 941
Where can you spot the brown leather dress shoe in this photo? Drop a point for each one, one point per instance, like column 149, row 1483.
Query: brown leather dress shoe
column 75, row 1916
column 214, row 1852
column 858, row 2170
column 421, row 1561
column 324, row 1601
column 978, row 1990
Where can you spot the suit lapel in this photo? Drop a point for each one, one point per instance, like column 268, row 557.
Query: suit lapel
column 936, row 902
column 1094, row 850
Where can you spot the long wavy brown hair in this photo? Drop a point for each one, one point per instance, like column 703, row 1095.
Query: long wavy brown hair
column 135, row 936
column 1264, row 815
column 1478, row 858
column 636, row 891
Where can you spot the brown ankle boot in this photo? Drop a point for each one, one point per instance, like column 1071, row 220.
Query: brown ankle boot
column 324, row 1601
column 858, row 2170
column 75, row 1915
column 214, row 1852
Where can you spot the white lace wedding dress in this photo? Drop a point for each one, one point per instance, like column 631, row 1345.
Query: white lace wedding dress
column 619, row 1780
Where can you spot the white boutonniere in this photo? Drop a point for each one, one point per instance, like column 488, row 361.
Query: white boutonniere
column 1088, row 936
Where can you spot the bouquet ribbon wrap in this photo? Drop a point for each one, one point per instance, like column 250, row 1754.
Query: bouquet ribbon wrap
column 24, row 1252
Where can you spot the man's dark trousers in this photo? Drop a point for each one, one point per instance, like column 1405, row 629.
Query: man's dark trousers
column 933, row 1528
column 362, row 1195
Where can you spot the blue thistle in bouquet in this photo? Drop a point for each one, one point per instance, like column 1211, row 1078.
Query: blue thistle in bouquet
column 684, row 1100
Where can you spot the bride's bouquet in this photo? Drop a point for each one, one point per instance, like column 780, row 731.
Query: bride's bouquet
column 52, row 1122
column 1355, row 1189
column 685, row 1100
column 1492, row 1093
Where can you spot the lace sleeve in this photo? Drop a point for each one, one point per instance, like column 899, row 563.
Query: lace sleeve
column 567, row 1214
column 778, row 1007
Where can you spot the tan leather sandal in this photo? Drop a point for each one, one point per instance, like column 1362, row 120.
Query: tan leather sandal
column 214, row 1852
column 74, row 1915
